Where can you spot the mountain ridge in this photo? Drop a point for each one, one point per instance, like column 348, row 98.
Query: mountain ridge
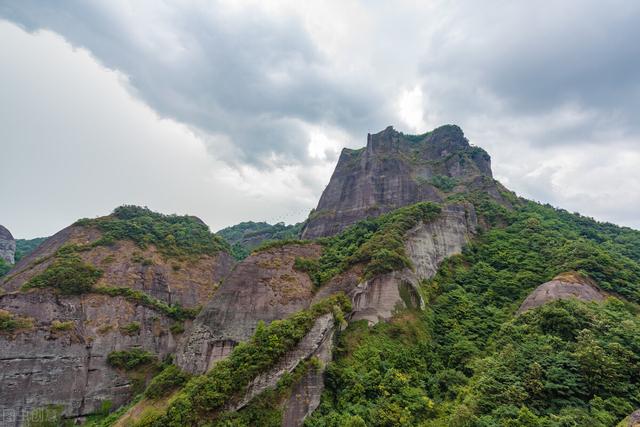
column 398, row 307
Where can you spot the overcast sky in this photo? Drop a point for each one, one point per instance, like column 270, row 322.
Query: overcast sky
column 236, row 111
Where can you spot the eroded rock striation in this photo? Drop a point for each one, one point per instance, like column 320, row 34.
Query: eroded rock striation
column 263, row 287
column 7, row 245
column 59, row 355
column 427, row 245
column 564, row 286
column 396, row 170
column 124, row 264
column 45, row 364
column 317, row 342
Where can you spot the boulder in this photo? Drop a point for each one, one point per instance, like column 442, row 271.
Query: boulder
column 564, row 286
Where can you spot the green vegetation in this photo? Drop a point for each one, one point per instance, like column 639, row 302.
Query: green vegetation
column 165, row 382
column 130, row 359
column 204, row 395
column 4, row 267
column 132, row 328
column 59, row 326
column 266, row 409
column 467, row 361
column 49, row 416
column 172, row 235
column 25, row 246
column 273, row 244
column 10, row 323
column 177, row 328
column 246, row 236
column 443, row 182
column 376, row 243
column 108, row 420
column 68, row 274
column 175, row 311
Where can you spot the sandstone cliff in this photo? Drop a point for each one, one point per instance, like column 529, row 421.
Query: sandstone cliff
column 427, row 245
column 564, row 286
column 265, row 286
column 59, row 356
column 395, row 170
column 7, row 245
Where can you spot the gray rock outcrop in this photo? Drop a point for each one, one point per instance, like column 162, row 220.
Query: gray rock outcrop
column 43, row 365
column 427, row 245
column 306, row 393
column 317, row 342
column 396, row 170
column 564, row 286
column 634, row 419
column 124, row 264
column 263, row 287
column 7, row 245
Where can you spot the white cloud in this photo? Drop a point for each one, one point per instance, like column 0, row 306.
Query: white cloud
column 239, row 109
column 75, row 143
column 410, row 111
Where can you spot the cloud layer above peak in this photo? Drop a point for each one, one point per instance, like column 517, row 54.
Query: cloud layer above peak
column 270, row 91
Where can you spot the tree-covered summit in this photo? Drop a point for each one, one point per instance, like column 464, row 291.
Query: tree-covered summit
column 173, row 235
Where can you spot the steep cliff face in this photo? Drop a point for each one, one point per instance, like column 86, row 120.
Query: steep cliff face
column 318, row 342
column 395, row 170
column 563, row 286
column 45, row 364
column 427, row 245
column 59, row 356
column 263, row 287
column 7, row 245
column 188, row 282
column 266, row 286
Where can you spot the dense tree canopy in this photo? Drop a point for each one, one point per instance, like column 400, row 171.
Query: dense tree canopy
column 469, row 361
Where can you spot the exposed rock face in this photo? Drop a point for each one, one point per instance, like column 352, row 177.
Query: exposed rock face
column 265, row 286
column 317, row 342
column 189, row 283
column 42, row 366
column 395, row 170
column 306, row 394
column 427, row 245
column 563, row 286
column 7, row 245
column 634, row 419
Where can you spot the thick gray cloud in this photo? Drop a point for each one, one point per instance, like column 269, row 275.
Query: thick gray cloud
column 240, row 72
column 272, row 90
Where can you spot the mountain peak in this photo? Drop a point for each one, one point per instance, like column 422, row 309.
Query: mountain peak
column 394, row 170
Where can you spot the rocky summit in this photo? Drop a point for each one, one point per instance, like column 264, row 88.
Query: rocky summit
column 395, row 170
column 420, row 291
